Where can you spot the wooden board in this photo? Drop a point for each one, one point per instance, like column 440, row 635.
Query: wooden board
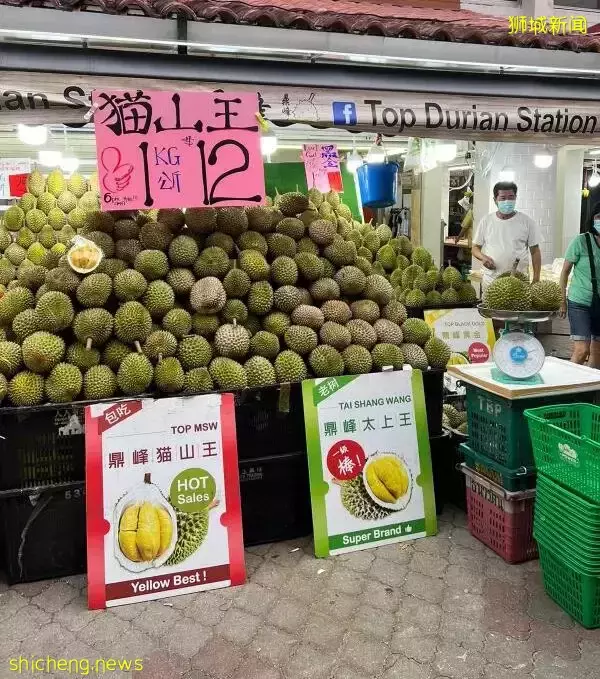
column 559, row 377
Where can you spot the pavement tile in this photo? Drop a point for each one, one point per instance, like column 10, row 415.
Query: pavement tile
column 404, row 668
column 380, row 596
column 456, row 662
column 420, row 648
column 324, row 631
column 373, row 622
column 358, row 561
column 364, row 652
column 273, row 645
column 424, row 587
column 288, row 614
column 512, row 653
column 55, row 597
column 417, row 616
column 389, row 573
column 256, row 599
column 557, row 640
column 238, row 626
column 218, row 658
column 255, row 669
column 468, row 632
column 309, row 662
column 429, row 564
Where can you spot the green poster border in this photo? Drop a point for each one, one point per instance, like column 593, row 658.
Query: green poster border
column 425, row 479
column 318, row 487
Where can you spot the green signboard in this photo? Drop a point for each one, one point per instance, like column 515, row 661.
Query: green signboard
column 369, row 460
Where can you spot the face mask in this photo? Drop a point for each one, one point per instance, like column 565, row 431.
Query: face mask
column 506, row 207
column 596, row 226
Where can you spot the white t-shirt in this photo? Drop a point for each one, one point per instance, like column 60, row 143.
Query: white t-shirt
column 505, row 240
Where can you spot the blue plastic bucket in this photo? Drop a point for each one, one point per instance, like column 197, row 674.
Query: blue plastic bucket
column 378, row 183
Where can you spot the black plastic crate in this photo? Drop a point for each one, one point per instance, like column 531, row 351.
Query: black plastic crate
column 44, row 534
column 41, row 446
column 275, row 498
column 448, row 480
column 433, row 386
column 270, row 421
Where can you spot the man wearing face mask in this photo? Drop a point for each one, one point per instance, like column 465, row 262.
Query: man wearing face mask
column 506, row 235
column 582, row 303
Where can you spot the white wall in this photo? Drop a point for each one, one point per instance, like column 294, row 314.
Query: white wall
column 568, row 196
column 433, row 197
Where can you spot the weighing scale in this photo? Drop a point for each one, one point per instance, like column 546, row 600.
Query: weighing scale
column 518, row 354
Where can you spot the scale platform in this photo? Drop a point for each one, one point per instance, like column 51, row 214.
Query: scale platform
column 518, row 354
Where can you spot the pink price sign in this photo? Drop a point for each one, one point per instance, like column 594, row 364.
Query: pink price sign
column 177, row 149
column 322, row 167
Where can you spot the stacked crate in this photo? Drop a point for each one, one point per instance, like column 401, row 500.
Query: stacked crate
column 566, row 444
column 500, row 472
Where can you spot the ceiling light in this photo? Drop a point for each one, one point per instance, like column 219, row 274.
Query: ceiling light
column 69, row 164
column 35, row 135
column 268, row 143
column 594, row 152
column 445, row 153
column 353, row 161
column 506, row 174
column 50, row 158
column 594, row 178
column 543, row 160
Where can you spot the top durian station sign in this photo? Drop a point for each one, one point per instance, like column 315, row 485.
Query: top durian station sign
column 36, row 98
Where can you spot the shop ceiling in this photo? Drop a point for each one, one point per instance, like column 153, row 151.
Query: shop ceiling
column 96, row 30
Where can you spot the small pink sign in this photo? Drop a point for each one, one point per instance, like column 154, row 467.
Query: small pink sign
column 322, row 166
column 177, row 149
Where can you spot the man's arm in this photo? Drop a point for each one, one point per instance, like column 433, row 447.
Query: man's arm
column 487, row 262
column 536, row 262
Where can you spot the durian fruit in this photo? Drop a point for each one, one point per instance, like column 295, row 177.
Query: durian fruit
column 452, row 415
column 192, row 529
column 145, row 531
column 546, row 296
column 438, row 352
column 357, row 501
column 508, row 293
column 387, row 477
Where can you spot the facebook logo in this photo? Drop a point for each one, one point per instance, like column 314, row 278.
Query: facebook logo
column 344, row 113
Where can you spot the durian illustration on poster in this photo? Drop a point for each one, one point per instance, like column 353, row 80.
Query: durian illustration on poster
column 469, row 335
column 369, row 460
column 163, row 500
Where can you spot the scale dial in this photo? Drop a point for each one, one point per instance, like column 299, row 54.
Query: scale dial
column 519, row 355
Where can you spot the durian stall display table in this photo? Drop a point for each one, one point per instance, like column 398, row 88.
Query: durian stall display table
column 558, row 377
column 496, row 424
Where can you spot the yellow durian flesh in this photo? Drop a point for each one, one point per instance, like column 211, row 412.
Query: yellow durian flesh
column 148, row 532
column 388, row 478
column 127, row 533
column 166, row 529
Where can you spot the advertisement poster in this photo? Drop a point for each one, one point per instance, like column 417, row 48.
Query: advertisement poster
column 163, row 502
column 13, row 176
column 322, row 166
column 369, row 461
column 469, row 335
column 171, row 149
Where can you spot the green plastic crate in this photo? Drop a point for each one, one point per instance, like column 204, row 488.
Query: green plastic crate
column 566, row 444
column 575, row 549
column 513, row 480
column 576, row 593
column 498, row 428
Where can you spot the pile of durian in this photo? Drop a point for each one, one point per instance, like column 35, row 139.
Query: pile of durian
column 204, row 299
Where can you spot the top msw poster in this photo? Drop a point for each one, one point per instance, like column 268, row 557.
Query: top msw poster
column 370, row 469
column 163, row 501
column 177, row 149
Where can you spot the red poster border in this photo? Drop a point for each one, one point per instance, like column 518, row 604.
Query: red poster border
column 233, row 517
column 94, row 512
